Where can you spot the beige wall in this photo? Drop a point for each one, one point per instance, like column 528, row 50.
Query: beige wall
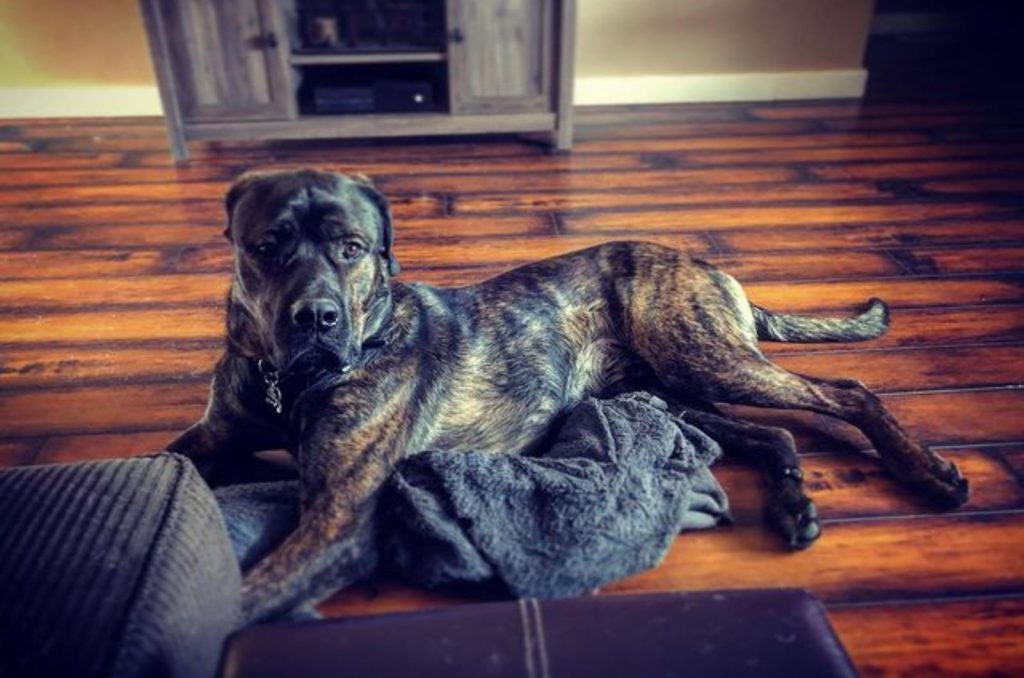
column 662, row 37
column 71, row 47
column 88, row 42
column 72, row 43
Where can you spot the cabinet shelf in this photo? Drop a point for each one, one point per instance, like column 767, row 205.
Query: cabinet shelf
column 340, row 58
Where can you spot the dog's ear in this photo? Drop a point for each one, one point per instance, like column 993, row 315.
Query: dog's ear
column 366, row 186
column 234, row 195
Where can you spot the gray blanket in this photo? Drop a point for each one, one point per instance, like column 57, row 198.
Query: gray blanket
column 605, row 500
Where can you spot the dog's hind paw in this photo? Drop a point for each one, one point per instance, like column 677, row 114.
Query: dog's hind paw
column 942, row 483
column 948, row 488
column 797, row 520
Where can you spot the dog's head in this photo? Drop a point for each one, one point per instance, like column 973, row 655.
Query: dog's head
column 313, row 264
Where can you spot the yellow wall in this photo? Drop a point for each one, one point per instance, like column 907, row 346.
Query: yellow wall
column 675, row 37
column 69, row 46
column 73, row 43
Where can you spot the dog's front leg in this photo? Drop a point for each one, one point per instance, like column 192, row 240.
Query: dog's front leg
column 341, row 470
column 333, row 546
column 229, row 429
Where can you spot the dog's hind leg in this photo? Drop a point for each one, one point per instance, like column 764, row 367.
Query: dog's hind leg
column 750, row 379
column 773, row 449
column 707, row 348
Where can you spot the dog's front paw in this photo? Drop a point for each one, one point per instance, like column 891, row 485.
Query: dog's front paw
column 797, row 519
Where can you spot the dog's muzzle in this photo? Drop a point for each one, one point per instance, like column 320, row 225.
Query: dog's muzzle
column 317, row 337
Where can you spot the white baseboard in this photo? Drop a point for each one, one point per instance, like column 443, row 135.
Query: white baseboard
column 669, row 89
column 72, row 102
column 75, row 102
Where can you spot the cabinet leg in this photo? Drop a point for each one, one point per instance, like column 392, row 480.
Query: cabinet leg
column 561, row 138
column 179, row 147
column 176, row 139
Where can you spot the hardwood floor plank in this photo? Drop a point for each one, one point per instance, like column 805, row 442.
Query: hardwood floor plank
column 902, row 293
column 562, row 201
column 33, row 366
column 596, row 180
column 17, row 452
column 72, row 263
column 103, row 409
column 1008, row 185
column 69, row 449
column 919, row 170
column 917, row 122
column 749, row 142
column 28, row 160
column 783, row 238
column 951, row 639
column 104, row 326
column 960, row 260
column 715, row 219
column 76, row 293
column 988, row 555
column 824, row 265
column 199, row 213
column 846, row 154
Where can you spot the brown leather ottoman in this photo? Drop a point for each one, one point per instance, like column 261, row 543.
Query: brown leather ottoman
column 776, row 632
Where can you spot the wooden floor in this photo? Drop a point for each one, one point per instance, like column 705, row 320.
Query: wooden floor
column 113, row 271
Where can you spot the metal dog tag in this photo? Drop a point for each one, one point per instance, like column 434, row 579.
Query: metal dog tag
column 271, row 379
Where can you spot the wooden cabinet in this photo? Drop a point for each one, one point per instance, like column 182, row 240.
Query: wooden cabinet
column 498, row 56
column 243, row 69
column 226, row 59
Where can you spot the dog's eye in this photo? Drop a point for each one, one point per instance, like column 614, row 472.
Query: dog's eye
column 267, row 250
column 351, row 250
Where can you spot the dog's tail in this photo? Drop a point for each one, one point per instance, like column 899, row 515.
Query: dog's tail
column 871, row 323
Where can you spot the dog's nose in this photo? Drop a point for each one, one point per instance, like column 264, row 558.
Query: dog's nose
column 321, row 314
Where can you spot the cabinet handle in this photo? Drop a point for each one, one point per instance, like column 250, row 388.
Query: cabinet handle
column 270, row 40
column 456, row 36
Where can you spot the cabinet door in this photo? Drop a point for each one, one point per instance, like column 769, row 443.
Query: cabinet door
column 228, row 59
column 499, row 55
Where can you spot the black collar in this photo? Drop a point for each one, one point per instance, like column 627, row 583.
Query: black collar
column 294, row 386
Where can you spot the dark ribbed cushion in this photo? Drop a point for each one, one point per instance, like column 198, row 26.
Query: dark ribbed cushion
column 113, row 568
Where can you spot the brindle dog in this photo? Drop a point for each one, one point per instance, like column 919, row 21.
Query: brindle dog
column 328, row 356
